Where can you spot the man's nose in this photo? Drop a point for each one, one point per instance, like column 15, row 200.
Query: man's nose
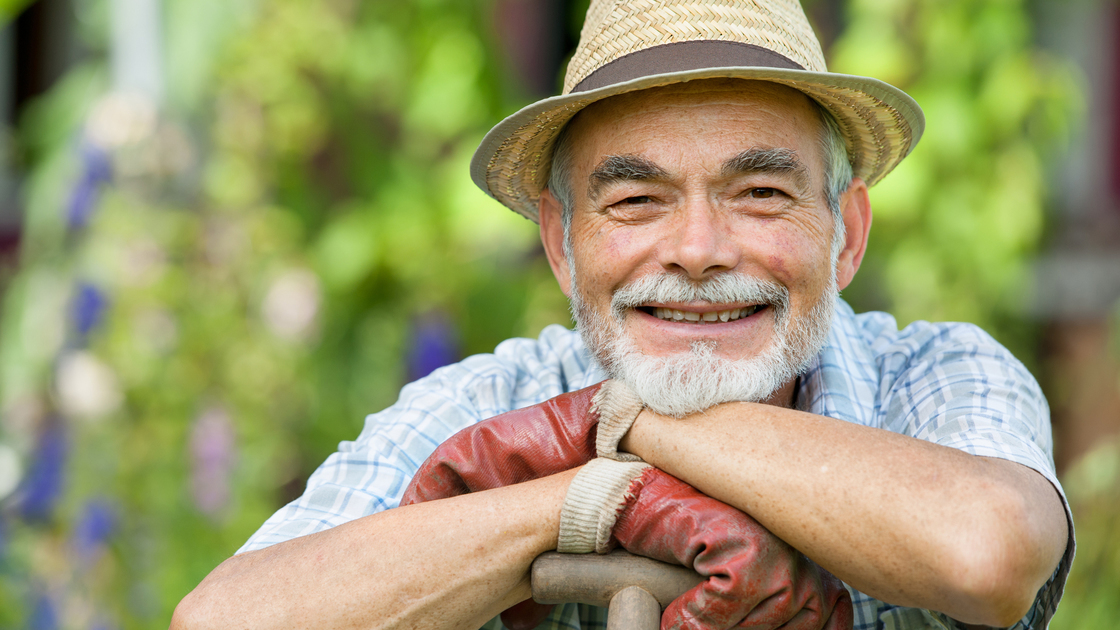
column 700, row 242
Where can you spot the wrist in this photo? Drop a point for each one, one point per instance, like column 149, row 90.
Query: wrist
column 617, row 406
column 636, row 440
column 539, row 504
column 594, row 501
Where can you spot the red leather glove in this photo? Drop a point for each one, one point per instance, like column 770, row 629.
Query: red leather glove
column 530, row 443
column 514, row 447
column 754, row 579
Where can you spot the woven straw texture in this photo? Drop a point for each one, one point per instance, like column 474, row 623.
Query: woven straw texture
column 618, row 28
column 880, row 123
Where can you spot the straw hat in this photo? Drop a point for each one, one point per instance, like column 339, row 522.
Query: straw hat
column 629, row 45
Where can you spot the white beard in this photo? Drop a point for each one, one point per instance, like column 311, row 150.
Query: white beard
column 696, row 380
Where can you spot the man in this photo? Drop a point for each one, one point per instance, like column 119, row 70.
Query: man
column 702, row 194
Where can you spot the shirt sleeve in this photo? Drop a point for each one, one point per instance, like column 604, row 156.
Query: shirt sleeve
column 962, row 389
column 370, row 474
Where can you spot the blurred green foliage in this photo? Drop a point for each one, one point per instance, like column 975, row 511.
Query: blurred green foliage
column 956, row 224
column 1091, row 600
column 9, row 9
column 213, row 294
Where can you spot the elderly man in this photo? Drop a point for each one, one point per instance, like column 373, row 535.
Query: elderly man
column 701, row 189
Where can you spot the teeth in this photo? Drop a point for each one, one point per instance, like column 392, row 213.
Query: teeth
column 671, row 314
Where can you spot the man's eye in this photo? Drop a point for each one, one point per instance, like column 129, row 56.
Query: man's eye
column 762, row 193
column 640, row 199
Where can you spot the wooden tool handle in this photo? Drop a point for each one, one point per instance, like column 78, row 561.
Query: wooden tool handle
column 595, row 579
column 635, row 588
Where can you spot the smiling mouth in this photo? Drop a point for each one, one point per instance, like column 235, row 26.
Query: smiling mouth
column 674, row 315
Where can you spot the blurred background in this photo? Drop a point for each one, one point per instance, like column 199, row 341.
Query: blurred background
column 229, row 229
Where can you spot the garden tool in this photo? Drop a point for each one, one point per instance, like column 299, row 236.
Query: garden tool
column 635, row 589
column 751, row 577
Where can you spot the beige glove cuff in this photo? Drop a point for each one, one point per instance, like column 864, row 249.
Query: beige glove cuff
column 591, row 506
column 618, row 406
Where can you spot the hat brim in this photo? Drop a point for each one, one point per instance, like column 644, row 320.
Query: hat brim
column 880, row 123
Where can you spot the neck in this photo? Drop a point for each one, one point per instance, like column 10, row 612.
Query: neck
column 784, row 395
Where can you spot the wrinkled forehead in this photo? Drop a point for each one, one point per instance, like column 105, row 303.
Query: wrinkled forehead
column 768, row 100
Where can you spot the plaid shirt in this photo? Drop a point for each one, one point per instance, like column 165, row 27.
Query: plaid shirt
column 950, row 384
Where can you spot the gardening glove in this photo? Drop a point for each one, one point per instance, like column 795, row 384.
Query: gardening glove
column 753, row 578
column 530, row 443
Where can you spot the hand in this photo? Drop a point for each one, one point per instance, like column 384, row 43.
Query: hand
column 530, row 443
column 754, row 579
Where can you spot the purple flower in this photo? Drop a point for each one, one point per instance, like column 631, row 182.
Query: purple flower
column 213, row 451
column 43, row 614
column 88, row 308
column 95, row 525
column 42, row 486
column 434, row 345
column 96, row 170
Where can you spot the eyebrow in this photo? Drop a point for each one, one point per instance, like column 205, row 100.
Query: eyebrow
column 623, row 168
column 776, row 161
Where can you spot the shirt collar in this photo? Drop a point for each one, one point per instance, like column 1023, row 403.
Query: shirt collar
column 842, row 381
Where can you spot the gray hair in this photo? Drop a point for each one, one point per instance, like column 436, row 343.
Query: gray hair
column 838, row 177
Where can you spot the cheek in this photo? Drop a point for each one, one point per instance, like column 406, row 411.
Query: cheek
column 778, row 265
column 607, row 256
column 796, row 259
column 786, row 255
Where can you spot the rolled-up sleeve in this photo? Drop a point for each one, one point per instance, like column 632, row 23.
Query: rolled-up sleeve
column 370, row 474
column 960, row 388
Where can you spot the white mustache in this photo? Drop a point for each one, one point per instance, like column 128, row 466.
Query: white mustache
column 725, row 288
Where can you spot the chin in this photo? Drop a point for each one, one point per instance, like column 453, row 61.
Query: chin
column 685, row 381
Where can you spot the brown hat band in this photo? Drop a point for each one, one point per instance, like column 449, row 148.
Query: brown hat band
column 680, row 57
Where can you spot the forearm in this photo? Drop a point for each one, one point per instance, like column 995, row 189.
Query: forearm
column 453, row 563
column 906, row 521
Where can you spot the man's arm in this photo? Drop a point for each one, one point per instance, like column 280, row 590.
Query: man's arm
column 454, row 563
column 903, row 520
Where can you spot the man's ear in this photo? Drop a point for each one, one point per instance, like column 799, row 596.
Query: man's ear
column 552, row 237
column 856, row 208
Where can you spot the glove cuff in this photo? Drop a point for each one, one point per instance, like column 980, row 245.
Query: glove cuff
column 618, row 406
column 597, row 493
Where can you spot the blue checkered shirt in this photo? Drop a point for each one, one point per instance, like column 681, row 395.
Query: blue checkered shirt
column 951, row 384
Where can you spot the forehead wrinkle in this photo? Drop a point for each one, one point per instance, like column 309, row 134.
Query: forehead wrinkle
column 762, row 161
column 620, row 168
